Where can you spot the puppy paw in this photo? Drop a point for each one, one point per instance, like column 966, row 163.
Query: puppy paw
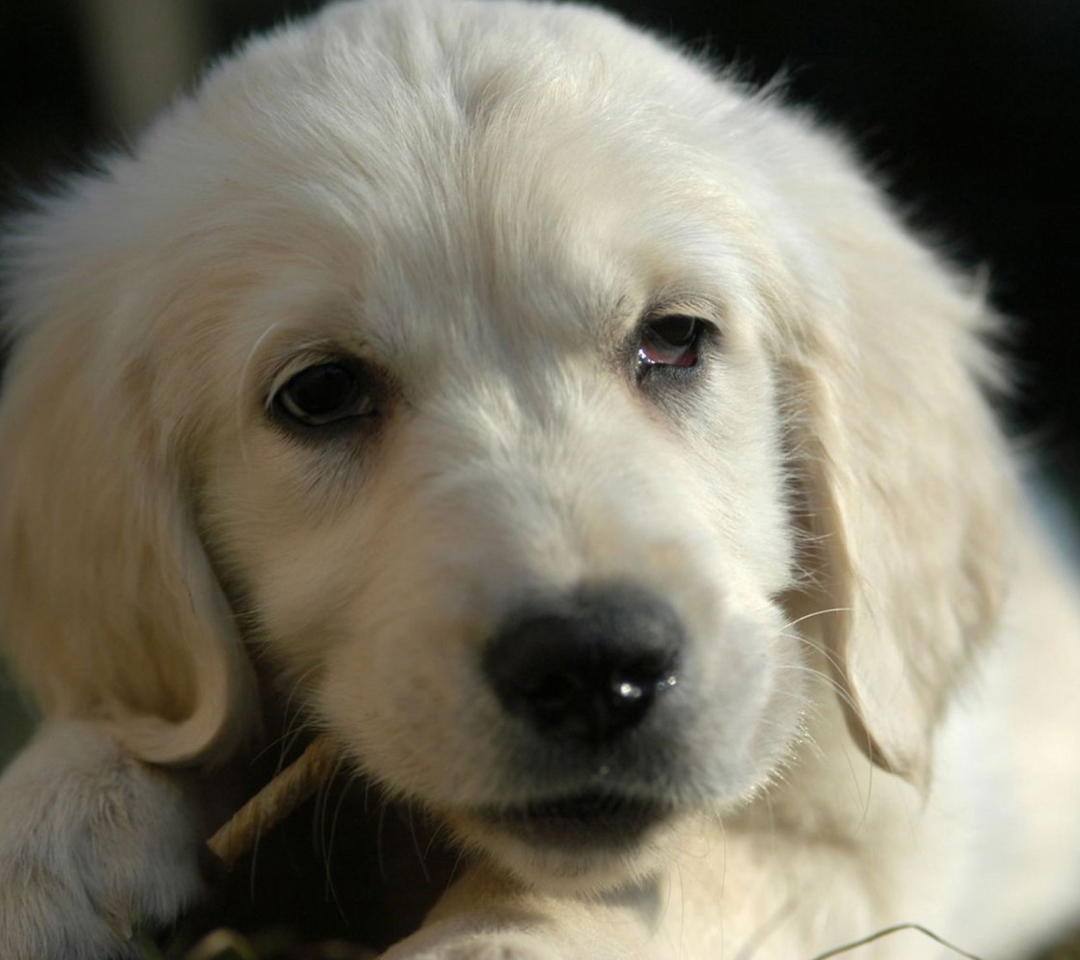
column 92, row 844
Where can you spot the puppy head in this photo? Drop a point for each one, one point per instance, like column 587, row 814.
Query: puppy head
column 512, row 374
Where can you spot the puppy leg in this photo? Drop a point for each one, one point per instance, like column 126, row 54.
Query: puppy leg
column 462, row 944
column 492, row 937
column 484, row 917
column 91, row 842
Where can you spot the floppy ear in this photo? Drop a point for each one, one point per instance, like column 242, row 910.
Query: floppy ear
column 906, row 477
column 110, row 609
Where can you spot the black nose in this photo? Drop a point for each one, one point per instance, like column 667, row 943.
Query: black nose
column 587, row 667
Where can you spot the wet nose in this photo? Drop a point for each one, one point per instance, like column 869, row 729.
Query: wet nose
column 586, row 667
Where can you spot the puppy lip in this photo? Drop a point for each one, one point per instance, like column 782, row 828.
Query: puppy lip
column 590, row 818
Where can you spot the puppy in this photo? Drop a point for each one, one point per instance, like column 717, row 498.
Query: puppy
column 585, row 443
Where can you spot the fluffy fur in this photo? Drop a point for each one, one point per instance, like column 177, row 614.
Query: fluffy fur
column 484, row 203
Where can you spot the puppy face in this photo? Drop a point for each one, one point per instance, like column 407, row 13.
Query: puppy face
column 528, row 376
column 481, row 352
column 464, row 394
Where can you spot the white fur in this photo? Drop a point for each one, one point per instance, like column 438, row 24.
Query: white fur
column 485, row 200
column 91, row 843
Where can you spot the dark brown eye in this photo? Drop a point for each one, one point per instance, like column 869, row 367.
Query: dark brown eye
column 324, row 394
column 670, row 342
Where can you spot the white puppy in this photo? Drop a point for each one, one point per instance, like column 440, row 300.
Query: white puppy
column 590, row 447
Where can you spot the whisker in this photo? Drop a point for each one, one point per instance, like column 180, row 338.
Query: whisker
column 815, row 613
column 416, row 842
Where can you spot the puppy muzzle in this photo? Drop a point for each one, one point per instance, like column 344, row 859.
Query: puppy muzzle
column 586, row 679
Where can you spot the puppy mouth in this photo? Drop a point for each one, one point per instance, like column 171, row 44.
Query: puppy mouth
column 588, row 819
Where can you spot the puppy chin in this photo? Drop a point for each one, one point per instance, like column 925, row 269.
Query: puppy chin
column 577, row 858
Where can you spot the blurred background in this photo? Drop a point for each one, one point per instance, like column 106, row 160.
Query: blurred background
column 967, row 107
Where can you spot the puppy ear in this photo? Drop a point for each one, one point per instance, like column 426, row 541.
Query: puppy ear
column 109, row 608
column 907, row 480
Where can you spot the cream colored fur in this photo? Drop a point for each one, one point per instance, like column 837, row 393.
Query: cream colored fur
column 486, row 200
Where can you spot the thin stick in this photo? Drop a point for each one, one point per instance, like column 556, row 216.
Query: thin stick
column 276, row 801
column 889, row 931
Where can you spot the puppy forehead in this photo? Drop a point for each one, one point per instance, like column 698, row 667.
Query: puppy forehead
column 441, row 185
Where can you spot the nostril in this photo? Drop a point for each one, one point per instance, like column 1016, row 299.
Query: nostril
column 588, row 667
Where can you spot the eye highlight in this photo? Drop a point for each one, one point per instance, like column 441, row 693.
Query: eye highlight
column 326, row 393
column 670, row 342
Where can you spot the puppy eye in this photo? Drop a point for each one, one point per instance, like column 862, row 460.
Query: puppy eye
column 670, row 342
column 326, row 393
